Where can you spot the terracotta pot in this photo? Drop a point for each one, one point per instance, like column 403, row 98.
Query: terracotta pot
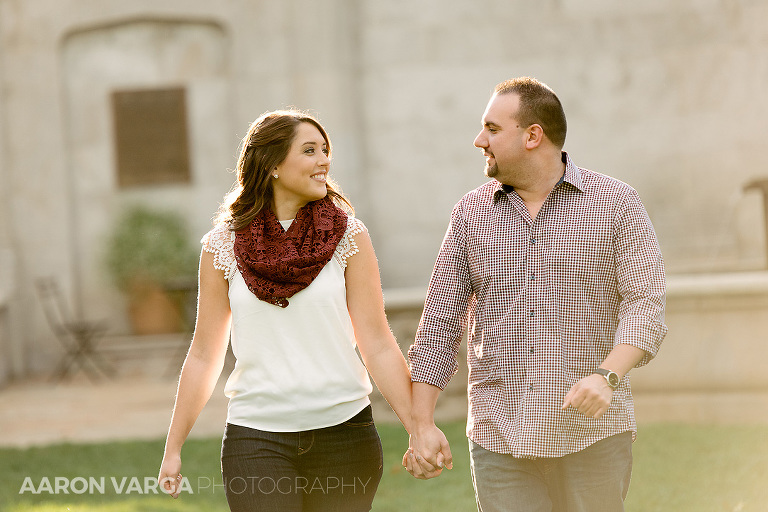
column 153, row 311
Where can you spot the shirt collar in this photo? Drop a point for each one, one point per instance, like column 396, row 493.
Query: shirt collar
column 572, row 176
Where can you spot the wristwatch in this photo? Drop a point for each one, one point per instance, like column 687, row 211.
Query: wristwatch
column 610, row 377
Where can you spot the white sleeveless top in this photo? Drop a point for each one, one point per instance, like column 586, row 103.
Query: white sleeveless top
column 296, row 367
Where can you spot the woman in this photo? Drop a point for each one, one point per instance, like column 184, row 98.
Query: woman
column 295, row 279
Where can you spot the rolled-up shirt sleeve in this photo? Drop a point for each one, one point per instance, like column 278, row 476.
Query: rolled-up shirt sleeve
column 641, row 279
column 433, row 356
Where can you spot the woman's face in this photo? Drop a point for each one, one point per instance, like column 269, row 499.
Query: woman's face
column 301, row 176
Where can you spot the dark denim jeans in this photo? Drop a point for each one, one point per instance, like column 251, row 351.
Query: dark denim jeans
column 595, row 479
column 328, row 469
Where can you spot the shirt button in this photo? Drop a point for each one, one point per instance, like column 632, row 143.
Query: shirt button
column 533, row 277
column 530, row 387
column 532, row 313
column 531, row 350
column 533, row 241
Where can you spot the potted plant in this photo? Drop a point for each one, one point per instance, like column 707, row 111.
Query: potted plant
column 150, row 258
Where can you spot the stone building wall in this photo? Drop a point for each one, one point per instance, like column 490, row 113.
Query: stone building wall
column 666, row 97
column 650, row 90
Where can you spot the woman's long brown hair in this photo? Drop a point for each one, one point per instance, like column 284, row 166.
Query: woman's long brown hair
column 263, row 148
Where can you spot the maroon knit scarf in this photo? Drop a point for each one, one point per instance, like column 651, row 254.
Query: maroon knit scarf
column 276, row 263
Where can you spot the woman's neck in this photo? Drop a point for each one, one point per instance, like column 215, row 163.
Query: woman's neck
column 285, row 210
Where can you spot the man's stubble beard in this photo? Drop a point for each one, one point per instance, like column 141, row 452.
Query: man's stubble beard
column 491, row 170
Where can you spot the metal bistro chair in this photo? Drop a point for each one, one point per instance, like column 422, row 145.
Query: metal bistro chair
column 78, row 337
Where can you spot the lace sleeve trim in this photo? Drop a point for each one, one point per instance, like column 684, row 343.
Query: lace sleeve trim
column 220, row 242
column 347, row 246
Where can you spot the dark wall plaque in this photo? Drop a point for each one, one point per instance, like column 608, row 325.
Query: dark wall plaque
column 151, row 137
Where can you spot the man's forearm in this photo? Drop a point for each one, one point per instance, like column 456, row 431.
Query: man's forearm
column 623, row 358
column 424, row 402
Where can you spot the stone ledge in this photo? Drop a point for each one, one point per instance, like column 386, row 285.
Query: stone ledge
column 678, row 285
column 719, row 284
column 404, row 298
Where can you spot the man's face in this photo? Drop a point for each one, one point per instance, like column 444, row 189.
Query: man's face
column 502, row 139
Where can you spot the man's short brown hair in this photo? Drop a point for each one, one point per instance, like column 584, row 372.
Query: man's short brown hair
column 538, row 105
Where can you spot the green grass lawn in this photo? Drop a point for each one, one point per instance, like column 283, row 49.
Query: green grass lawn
column 677, row 468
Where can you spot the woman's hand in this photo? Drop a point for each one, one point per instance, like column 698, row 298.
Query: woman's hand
column 170, row 475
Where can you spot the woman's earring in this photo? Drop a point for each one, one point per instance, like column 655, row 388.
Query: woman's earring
column 274, row 176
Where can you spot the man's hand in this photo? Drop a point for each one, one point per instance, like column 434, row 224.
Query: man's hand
column 591, row 396
column 428, row 453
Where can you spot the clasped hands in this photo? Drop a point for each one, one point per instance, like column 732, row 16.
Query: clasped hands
column 428, row 453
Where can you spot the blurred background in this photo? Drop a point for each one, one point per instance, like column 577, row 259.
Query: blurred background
column 120, row 124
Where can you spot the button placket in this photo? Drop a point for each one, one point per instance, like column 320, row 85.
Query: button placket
column 533, row 251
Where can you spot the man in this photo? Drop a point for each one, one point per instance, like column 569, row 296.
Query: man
column 556, row 273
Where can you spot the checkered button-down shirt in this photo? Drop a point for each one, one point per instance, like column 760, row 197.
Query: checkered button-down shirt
column 544, row 301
